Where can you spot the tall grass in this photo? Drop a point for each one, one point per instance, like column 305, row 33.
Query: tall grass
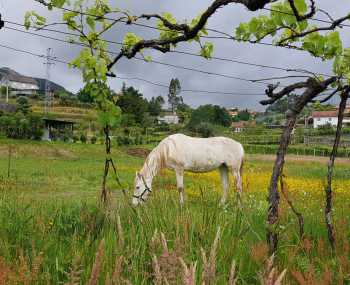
column 160, row 243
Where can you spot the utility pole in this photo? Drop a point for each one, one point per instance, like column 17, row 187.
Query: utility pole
column 2, row 23
column 7, row 91
column 48, row 92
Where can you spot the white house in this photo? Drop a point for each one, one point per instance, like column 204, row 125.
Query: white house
column 18, row 84
column 168, row 119
column 322, row 118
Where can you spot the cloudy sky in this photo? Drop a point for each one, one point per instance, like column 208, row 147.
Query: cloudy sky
column 225, row 19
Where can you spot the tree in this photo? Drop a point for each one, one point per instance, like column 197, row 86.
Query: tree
column 155, row 106
column 23, row 105
column 184, row 112
column 84, row 94
column 317, row 106
column 243, row 115
column 173, row 96
column 281, row 105
column 131, row 102
column 212, row 114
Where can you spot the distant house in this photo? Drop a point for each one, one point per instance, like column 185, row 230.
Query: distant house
column 168, row 119
column 240, row 126
column 18, row 84
column 54, row 128
column 322, row 118
column 233, row 112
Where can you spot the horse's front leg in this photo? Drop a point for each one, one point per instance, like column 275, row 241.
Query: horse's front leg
column 180, row 184
column 225, row 183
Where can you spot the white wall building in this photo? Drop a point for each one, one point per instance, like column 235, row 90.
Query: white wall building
column 322, row 118
column 18, row 84
column 168, row 119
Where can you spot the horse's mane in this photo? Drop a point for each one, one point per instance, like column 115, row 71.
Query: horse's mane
column 155, row 161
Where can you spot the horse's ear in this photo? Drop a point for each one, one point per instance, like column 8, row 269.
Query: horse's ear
column 138, row 174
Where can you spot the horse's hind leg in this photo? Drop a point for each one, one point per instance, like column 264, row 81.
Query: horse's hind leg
column 225, row 183
column 180, row 184
column 238, row 178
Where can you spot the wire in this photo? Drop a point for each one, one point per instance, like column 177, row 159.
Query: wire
column 33, row 54
column 197, row 70
column 134, row 78
column 174, row 51
column 190, row 90
column 312, row 19
column 157, row 62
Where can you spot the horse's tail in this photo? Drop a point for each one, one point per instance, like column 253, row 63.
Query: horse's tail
column 241, row 168
column 242, row 162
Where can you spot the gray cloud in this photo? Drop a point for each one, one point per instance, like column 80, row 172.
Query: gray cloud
column 225, row 19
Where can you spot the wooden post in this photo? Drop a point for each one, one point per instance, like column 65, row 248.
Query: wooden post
column 9, row 162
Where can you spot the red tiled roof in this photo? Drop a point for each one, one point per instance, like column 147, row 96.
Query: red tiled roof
column 324, row 114
column 237, row 124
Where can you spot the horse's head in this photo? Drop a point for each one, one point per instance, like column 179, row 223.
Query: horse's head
column 143, row 187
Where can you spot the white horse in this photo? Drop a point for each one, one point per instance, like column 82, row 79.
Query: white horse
column 179, row 153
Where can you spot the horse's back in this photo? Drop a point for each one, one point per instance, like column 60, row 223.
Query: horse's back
column 201, row 154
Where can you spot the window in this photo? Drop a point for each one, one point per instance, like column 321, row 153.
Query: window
column 329, row 119
column 318, row 119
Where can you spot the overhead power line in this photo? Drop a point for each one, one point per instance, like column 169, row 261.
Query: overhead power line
column 163, row 85
column 55, row 59
column 33, row 54
column 298, row 70
column 312, row 19
column 157, row 62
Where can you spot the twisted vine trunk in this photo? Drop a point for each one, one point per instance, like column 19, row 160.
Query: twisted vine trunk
column 328, row 189
column 104, row 192
column 274, row 197
column 108, row 163
column 313, row 88
column 291, row 205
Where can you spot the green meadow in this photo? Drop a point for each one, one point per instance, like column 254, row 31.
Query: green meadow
column 54, row 231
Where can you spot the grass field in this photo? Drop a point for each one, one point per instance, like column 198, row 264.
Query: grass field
column 52, row 227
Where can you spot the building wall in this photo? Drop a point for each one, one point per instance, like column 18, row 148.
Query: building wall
column 23, row 88
column 330, row 120
column 321, row 121
column 169, row 119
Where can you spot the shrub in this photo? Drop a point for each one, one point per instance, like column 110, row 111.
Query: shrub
column 93, row 140
column 83, row 138
column 206, row 130
column 19, row 126
column 162, row 128
column 75, row 138
column 326, row 129
column 23, row 105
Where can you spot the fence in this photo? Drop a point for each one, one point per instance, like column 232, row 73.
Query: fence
column 324, row 140
column 313, row 151
column 266, row 139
